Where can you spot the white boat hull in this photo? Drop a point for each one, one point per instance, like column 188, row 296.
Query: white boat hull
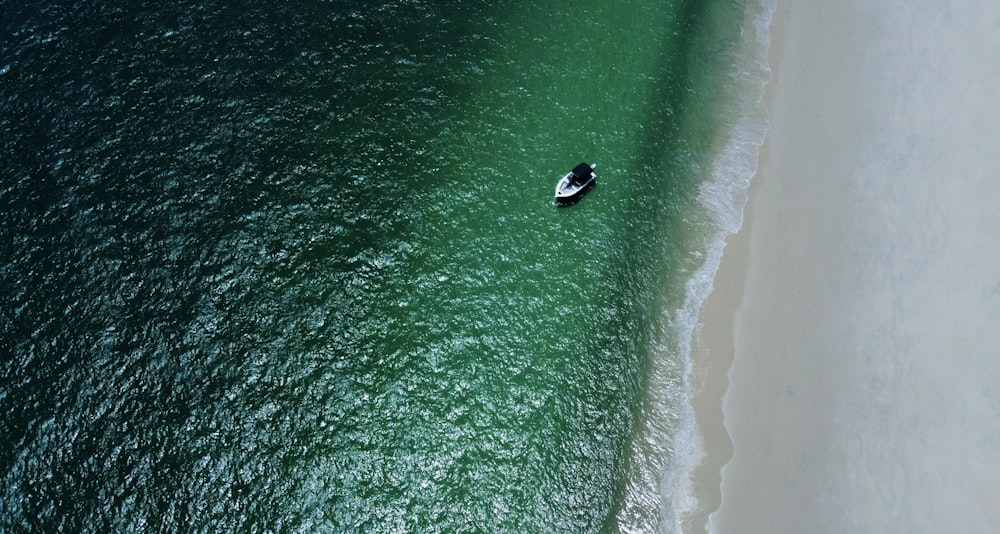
column 572, row 185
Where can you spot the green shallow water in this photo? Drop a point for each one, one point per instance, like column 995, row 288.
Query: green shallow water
column 298, row 268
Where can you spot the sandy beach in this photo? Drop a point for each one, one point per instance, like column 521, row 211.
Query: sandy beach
column 851, row 346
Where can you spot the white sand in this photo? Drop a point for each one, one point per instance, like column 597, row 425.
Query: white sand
column 864, row 391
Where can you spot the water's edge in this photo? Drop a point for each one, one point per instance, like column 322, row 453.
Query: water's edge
column 734, row 164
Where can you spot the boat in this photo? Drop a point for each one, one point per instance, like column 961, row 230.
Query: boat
column 575, row 183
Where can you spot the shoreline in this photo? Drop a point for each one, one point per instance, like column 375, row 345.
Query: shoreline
column 843, row 377
column 713, row 346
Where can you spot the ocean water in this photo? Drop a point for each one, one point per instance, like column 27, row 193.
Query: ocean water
column 296, row 267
